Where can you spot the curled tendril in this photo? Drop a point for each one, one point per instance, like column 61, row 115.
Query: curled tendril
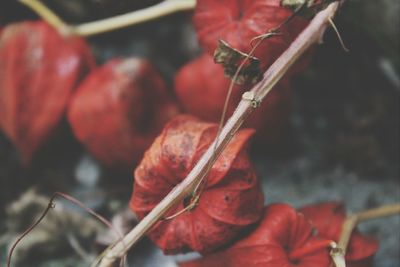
column 52, row 205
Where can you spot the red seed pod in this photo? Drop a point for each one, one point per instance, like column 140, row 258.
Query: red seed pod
column 202, row 88
column 284, row 238
column 119, row 109
column 328, row 218
column 39, row 69
column 238, row 22
column 232, row 198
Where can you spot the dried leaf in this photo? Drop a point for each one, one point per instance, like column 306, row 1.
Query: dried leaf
column 231, row 59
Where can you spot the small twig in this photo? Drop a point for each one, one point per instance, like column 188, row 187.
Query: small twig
column 203, row 182
column 198, row 190
column 260, row 39
column 109, row 24
column 159, row 10
column 352, row 221
column 49, row 16
column 312, row 34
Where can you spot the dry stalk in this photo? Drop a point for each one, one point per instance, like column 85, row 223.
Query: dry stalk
column 354, row 219
column 109, row 24
column 312, row 34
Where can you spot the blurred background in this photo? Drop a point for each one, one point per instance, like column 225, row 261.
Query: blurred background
column 342, row 142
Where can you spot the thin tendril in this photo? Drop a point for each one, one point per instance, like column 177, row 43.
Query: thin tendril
column 51, row 205
column 194, row 201
column 196, row 194
column 260, row 38
column 274, row 31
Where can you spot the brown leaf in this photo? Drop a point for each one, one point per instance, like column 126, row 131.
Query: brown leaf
column 231, row 59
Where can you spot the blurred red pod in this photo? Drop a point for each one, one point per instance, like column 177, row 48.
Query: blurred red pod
column 238, row 22
column 328, row 218
column 231, row 200
column 119, row 109
column 283, row 238
column 201, row 88
column 39, row 69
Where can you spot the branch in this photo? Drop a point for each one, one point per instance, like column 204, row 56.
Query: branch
column 352, row 221
column 49, row 16
column 159, row 10
column 311, row 35
column 105, row 25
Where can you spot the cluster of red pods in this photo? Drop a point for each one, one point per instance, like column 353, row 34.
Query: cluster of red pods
column 115, row 110
column 121, row 109
column 45, row 75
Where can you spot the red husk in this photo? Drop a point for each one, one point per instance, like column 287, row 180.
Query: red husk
column 328, row 218
column 119, row 109
column 202, row 88
column 231, row 201
column 238, row 21
column 39, row 69
column 284, row 238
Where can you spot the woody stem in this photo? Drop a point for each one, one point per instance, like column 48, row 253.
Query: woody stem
column 48, row 15
column 164, row 8
column 159, row 10
column 312, row 34
column 352, row 221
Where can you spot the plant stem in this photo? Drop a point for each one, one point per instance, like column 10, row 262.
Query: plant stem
column 49, row 16
column 159, row 10
column 109, row 24
column 312, row 34
column 352, row 221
